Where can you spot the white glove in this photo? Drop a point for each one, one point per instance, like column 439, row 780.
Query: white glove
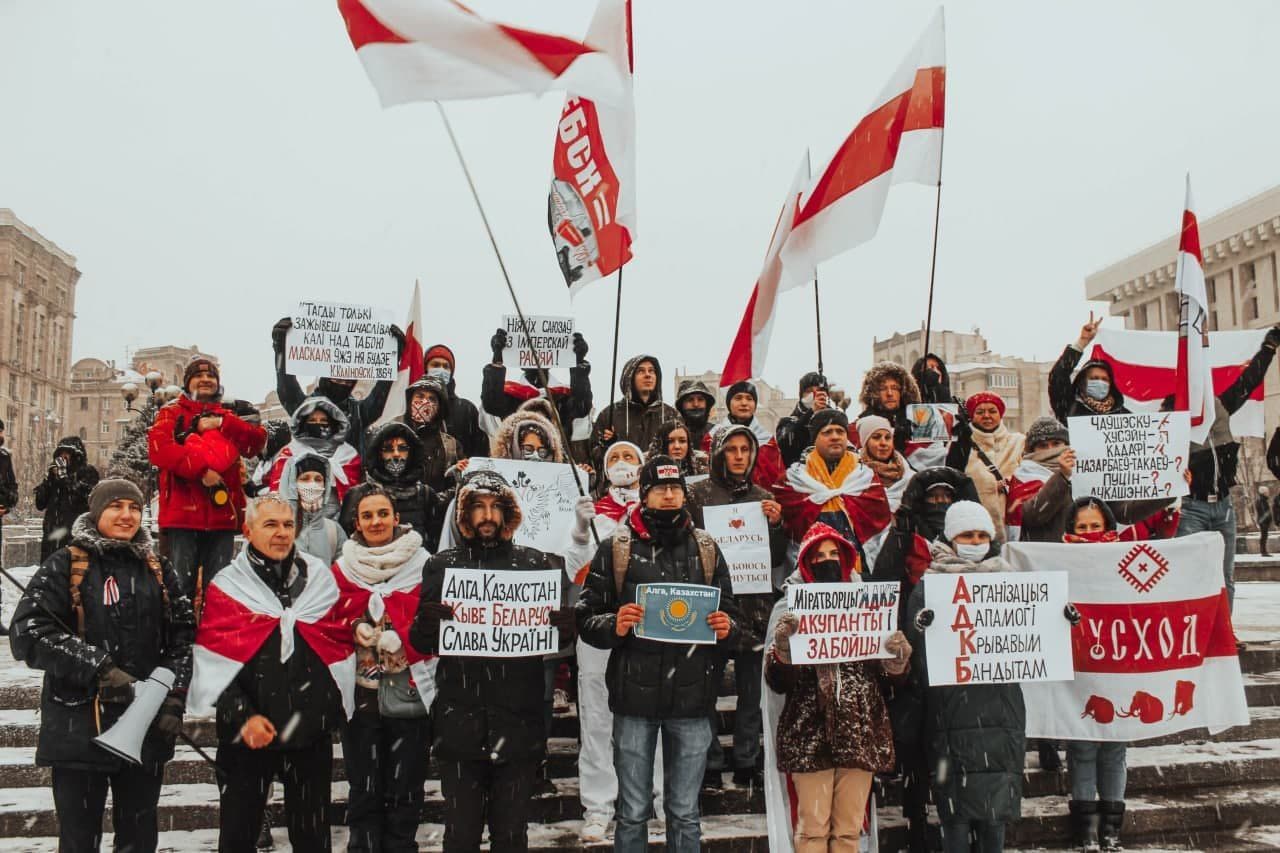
column 584, row 510
column 366, row 635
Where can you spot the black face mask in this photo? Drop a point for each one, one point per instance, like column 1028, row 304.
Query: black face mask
column 696, row 418
column 311, row 430
column 933, row 518
column 825, row 571
column 336, row 392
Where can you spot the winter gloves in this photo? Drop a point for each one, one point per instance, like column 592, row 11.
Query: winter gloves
column 1273, row 338
column 580, row 348
column 169, row 720
column 498, row 343
column 897, row 644
column 787, row 625
column 279, row 332
column 1072, row 615
column 257, row 732
column 114, row 684
column 565, row 621
column 584, row 510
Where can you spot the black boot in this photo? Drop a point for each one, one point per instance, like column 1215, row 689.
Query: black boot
column 265, row 841
column 1111, row 819
column 1049, row 758
column 1084, row 824
column 712, row 780
column 542, row 784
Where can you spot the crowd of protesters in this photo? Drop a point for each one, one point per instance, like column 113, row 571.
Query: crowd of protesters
column 350, row 522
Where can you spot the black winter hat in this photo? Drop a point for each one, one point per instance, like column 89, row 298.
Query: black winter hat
column 313, row 463
column 660, row 468
column 814, row 379
column 742, row 387
column 825, row 418
column 1045, row 429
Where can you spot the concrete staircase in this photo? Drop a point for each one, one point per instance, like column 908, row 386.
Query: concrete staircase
column 1190, row 791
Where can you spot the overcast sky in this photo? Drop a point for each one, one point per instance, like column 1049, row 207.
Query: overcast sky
column 210, row 164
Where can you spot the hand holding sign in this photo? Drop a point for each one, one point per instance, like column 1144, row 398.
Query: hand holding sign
column 1130, row 457
column 341, row 341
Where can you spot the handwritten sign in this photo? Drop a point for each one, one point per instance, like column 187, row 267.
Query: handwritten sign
column 677, row 612
column 1130, row 457
column 742, row 532
column 997, row 627
column 842, row 621
column 341, row 341
column 550, row 337
column 932, row 421
column 499, row 614
column 547, row 495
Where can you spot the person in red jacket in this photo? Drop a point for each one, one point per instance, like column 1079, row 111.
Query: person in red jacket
column 197, row 444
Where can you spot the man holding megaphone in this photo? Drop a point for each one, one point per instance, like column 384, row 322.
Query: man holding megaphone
column 107, row 621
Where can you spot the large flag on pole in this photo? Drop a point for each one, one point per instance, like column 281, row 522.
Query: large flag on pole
column 439, row 50
column 751, row 344
column 591, row 209
column 1194, row 383
column 411, row 367
column 898, row 141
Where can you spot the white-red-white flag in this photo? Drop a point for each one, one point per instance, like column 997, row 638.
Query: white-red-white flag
column 898, row 141
column 1194, row 381
column 751, row 343
column 591, row 209
column 411, row 367
column 439, row 50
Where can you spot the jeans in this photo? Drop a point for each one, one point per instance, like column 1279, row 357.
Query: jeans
column 684, row 751
column 248, row 773
column 386, row 763
column 1097, row 770
column 986, row 837
column 192, row 550
column 479, row 791
column 79, row 797
column 1198, row 516
column 747, row 724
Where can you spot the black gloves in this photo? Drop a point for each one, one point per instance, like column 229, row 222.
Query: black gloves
column 1273, row 338
column 1073, row 615
column 962, row 431
column 279, row 332
column 566, row 622
column 115, row 685
column 498, row 343
column 396, row 333
column 580, row 348
column 902, row 521
column 169, row 720
column 924, row 619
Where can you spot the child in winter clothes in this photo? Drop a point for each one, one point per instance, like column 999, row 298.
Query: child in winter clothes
column 975, row 732
column 833, row 732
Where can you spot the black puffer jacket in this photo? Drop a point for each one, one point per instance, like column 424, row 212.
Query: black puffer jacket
column 647, row 678
column 417, row 504
column 1066, row 395
column 1214, row 463
column 631, row 419
column 463, row 418
column 64, row 498
column 439, row 448
column 570, row 407
column 136, row 633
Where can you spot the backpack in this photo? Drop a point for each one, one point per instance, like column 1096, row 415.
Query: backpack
column 622, row 555
column 80, row 566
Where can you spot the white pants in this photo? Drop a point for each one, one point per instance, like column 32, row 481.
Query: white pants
column 597, row 783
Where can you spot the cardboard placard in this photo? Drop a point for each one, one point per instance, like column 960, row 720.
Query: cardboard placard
column 677, row 612
column 742, row 532
column 842, row 621
column 500, row 613
column 932, row 421
column 1130, row 457
column 997, row 627
column 337, row 340
column 551, row 337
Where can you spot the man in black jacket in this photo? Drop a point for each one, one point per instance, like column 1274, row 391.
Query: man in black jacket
column 657, row 688
column 277, row 711
column 694, row 402
column 395, row 463
column 462, row 418
column 488, row 712
column 63, row 495
column 793, row 430
column 8, row 496
column 130, row 616
column 361, row 413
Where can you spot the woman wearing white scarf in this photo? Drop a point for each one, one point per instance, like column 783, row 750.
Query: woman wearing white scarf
column 989, row 453
column 385, row 745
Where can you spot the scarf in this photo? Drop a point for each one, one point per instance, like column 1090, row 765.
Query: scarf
column 827, row 488
column 1101, row 407
column 1100, row 536
column 889, row 472
column 947, row 562
column 377, row 564
column 1004, row 449
column 85, row 534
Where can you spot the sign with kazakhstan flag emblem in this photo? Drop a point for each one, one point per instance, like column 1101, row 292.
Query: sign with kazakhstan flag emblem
column 677, row 612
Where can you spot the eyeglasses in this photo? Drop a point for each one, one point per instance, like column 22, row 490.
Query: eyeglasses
column 540, row 452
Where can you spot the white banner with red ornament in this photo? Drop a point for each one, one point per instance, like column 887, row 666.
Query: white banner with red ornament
column 1154, row 652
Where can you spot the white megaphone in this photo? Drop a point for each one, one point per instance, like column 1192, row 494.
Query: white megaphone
column 124, row 739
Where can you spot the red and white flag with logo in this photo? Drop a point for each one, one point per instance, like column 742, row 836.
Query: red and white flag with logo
column 241, row 611
column 591, row 209
column 1194, row 383
column 1154, row 651
column 439, row 50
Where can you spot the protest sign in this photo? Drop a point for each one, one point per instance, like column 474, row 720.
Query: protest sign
column 932, row 421
column 677, row 612
column 1154, row 653
column 842, row 621
column 547, row 496
column 1130, row 457
column 341, row 341
column 742, row 532
column 997, row 627
column 499, row 614
column 550, row 337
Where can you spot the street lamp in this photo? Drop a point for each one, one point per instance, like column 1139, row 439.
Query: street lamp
column 129, row 391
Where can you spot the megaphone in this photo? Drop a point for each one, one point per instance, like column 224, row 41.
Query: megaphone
column 124, row 739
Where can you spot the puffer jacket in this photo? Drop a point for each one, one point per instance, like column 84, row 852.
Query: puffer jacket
column 358, row 411
column 835, row 714
column 417, row 503
column 501, row 398
column 486, row 709
column 631, row 419
column 719, row 490
column 867, row 397
column 975, row 734
column 137, row 632
column 647, row 678
column 697, row 433
column 463, row 419
column 440, row 450
column 64, row 499
column 183, row 456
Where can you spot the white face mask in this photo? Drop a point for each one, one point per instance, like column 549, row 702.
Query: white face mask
column 310, row 496
column 624, row 474
column 973, row 553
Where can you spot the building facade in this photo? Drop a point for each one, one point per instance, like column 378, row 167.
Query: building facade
column 973, row 367
column 37, row 314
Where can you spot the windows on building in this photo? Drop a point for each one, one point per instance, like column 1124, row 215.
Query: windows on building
column 1248, row 292
column 19, row 274
column 1139, row 316
column 84, row 404
column 106, row 427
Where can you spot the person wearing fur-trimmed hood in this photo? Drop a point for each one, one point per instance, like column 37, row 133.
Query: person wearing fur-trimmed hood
column 887, row 389
column 827, row 727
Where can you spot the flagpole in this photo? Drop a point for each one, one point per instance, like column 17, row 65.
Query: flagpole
column 933, row 263
column 817, row 301
column 613, row 371
column 506, row 277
